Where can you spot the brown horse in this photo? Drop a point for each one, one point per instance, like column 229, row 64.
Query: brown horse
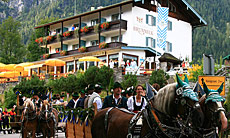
column 174, row 103
column 48, row 120
column 214, row 116
column 29, row 119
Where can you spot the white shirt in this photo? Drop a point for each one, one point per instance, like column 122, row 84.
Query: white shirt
column 133, row 64
column 75, row 103
column 130, row 103
column 116, row 99
column 111, row 64
column 122, row 63
column 97, row 100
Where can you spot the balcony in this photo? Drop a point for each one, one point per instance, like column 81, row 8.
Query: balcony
column 88, row 49
column 113, row 25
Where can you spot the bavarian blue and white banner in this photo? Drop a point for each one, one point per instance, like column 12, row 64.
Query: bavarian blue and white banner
column 162, row 26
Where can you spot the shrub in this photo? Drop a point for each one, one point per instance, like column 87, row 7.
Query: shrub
column 10, row 98
column 129, row 80
column 159, row 77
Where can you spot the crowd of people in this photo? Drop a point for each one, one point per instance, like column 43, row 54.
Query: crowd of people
column 5, row 118
column 131, row 99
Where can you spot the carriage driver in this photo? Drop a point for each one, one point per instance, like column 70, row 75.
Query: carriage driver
column 115, row 100
column 73, row 102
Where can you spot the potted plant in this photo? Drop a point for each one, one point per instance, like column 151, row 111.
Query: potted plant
column 49, row 38
column 46, row 56
column 105, row 25
column 82, row 49
column 63, row 53
column 66, row 34
column 85, row 29
column 103, row 45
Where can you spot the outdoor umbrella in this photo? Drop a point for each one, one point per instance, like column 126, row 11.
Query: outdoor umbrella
column 9, row 74
column 9, row 67
column 20, row 67
column 55, row 62
column 89, row 58
column 2, row 66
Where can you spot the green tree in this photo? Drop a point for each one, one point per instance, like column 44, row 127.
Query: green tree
column 70, row 84
column 80, row 83
column 159, row 77
column 11, row 48
column 105, row 73
column 129, row 80
column 10, row 98
column 91, row 75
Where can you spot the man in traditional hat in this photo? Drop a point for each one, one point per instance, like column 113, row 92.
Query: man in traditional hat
column 90, row 90
column 115, row 100
column 81, row 100
column 62, row 98
column 95, row 97
column 5, row 118
column 73, row 102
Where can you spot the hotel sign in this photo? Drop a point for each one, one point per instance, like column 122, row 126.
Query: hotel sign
column 213, row 82
column 142, row 31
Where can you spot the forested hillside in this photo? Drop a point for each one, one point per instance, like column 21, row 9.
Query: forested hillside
column 213, row 39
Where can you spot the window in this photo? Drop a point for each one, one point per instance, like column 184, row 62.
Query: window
column 94, row 42
column 102, row 39
column 150, row 42
column 128, row 58
column 70, row 66
column 94, row 22
column 172, row 8
column 150, row 20
column 169, row 47
column 80, row 65
column 58, row 30
column 115, row 39
column 83, row 43
column 115, row 17
column 103, row 20
column 57, row 50
column 169, row 25
column 76, row 46
column 65, row 47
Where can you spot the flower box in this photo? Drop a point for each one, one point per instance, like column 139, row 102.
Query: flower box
column 85, row 29
column 82, row 49
column 49, row 38
column 103, row 45
column 105, row 25
column 66, row 34
column 39, row 40
column 46, row 56
column 63, row 53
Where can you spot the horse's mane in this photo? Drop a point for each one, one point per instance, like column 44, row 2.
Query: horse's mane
column 164, row 99
column 28, row 103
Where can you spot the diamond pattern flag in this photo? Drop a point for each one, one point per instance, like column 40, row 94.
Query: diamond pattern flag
column 162, row 26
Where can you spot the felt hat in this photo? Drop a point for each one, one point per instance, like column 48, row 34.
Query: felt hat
column 117, row 85
column 129, row 90
column 82, row 91
column 75, row 94
column 98, row 87
column 62, row 95
column 90, row 87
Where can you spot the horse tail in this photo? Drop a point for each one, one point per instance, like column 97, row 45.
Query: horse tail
column 98, row 125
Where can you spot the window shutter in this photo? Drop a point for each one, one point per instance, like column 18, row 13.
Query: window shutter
column 102, row 39
column 147, row 19
column 170, row 25
column 154, row 21
column 154, row 43
column 147, row 41
column 170, row 47
column 103, row 20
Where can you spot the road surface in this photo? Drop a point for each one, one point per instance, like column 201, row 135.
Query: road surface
column 60, row 135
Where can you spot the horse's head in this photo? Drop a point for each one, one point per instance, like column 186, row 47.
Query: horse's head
column 45, row 109
column 28, row 106
column 212, row 106
column 187, row 103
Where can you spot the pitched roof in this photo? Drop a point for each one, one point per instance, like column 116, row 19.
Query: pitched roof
column 166, row 57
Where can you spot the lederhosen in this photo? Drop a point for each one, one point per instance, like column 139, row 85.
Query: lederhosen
column 137, row 108
column 5, row 121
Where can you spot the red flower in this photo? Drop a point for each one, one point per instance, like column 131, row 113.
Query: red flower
column 103, row 45
column 85, row 29
column 82, row 49
column 105, row 25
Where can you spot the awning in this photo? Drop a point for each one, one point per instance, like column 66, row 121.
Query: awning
column 148, row 50
column 34, row 66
